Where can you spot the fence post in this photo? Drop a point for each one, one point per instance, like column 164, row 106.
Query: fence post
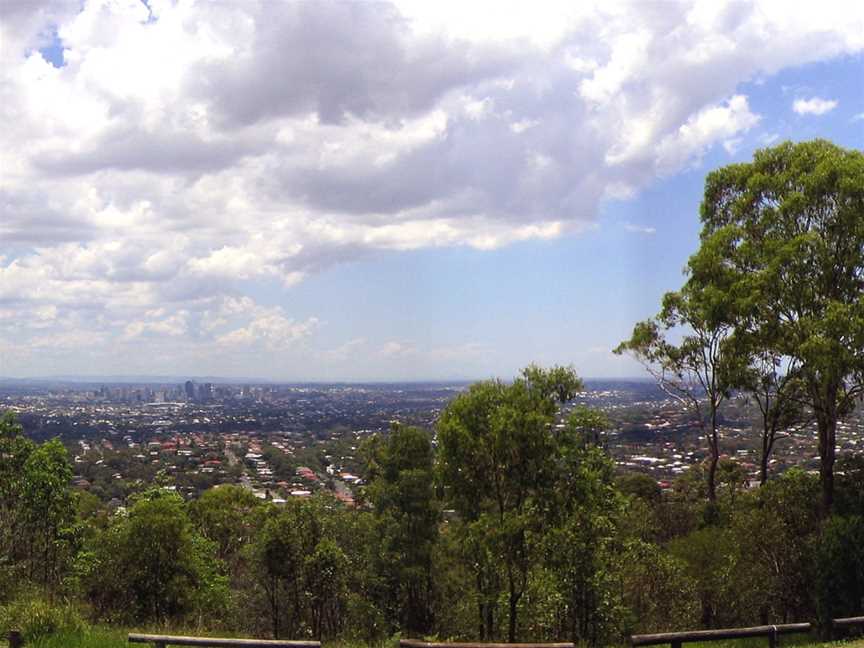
column 15, row 640
column 772, row 637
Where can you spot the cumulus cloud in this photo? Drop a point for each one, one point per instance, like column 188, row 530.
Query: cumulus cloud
column 703, row 129
column 271, row 329
column 813, row 106
column 186, row 150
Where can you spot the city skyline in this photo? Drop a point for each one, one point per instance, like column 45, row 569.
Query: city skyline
column 349, row 192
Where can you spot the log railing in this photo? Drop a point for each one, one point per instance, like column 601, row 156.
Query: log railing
column 770, row 632
column 163, row 641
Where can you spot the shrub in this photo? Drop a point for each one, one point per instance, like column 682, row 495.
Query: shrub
column 37, row 618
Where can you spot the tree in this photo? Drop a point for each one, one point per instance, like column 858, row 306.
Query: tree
column 277, row 557
column 325, row 576
column 582, row 513
column 656, row 589
column 697, row 370
column 15, row 449
column 782, row 246
column 400, row 468
column 151, row 565
column 36, row 508
column 46, row 500
column 225, row 515
column 839, row 583
column 586, row 426
column 496, row 455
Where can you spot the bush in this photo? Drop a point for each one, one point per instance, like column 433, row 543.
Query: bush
column 840, row 569
column 36, row 618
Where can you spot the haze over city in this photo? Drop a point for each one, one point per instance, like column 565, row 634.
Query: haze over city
column 377, row 191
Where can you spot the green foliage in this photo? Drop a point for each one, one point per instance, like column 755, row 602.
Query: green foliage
column 36, row 510
column 774, row 300
column 297, row 569
column 46, row 503
column 850, row 485
column 87, row 637
column 582, row 538
column 326, row 588
column 151, row 565
column 14, row 452
column 36, row 618
column 497, row 462
column 658, row 594
column 588, row 425
column 839, row 573
column 782, row 247
column 402, row 493
column 225, row 516
column 641, row 486
column 708, row 556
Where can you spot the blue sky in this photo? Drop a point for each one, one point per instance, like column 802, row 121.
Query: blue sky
column 319, row 191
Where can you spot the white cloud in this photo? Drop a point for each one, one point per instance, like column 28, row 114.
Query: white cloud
column 395, row 349
column 186, row 153
column 639, row 229
column 813, row 106
column 709, row 125
column 269, row 329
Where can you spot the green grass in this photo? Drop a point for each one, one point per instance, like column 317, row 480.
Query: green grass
column 114, row 638
column 90, row 638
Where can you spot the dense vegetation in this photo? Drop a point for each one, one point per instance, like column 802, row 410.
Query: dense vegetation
column 507, row 521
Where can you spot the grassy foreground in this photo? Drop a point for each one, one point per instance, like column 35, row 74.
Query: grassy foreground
column 113, row 638
column 90, row 638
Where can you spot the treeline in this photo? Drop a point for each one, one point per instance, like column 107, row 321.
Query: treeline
column 509, row 526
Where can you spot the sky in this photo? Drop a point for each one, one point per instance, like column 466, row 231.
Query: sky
column 379, row 191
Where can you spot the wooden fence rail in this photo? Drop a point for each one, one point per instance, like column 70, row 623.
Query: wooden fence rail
column 848, row 622
column 770, row 632
column 162, row 641
column 676, row 639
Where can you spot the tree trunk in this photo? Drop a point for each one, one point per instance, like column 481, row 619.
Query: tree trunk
column 712, row 476
column 763, row 470
column 481, row 606
column 827, row 443
column 490, row 620
column 714, row 449
column 511, row 626
column 767, row 438
column 826, row 419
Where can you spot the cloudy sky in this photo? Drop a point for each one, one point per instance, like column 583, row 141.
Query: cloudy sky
column 358, row 190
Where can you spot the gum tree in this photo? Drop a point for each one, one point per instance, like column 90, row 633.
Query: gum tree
column 686, row 348
column 783, row 245
column 496, row 459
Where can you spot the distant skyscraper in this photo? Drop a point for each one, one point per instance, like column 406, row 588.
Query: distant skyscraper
column 190, row 390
